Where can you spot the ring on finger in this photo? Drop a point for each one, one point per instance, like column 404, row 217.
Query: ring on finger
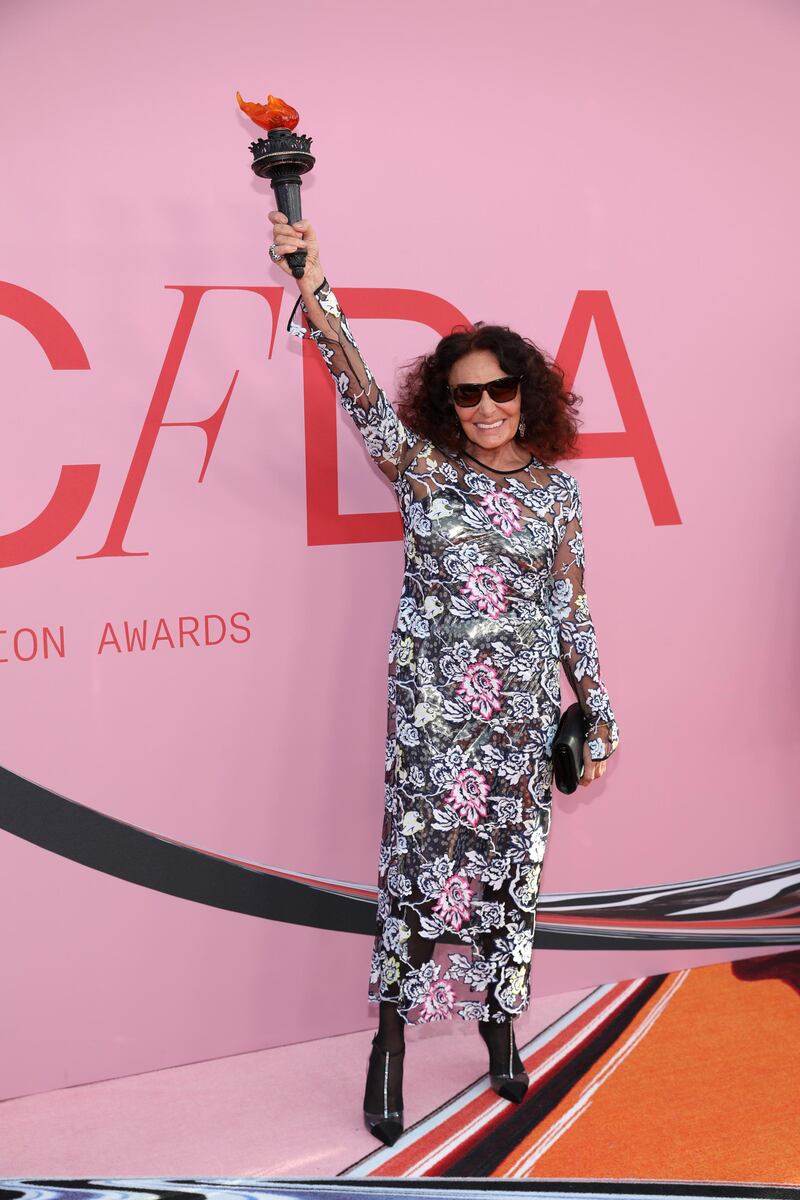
column 274, row 255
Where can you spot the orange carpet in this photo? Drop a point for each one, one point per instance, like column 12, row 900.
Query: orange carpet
column 704, row 1084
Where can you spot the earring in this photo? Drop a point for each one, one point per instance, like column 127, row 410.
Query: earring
column 521, row 426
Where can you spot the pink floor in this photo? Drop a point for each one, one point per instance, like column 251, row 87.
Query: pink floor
column 290, row 1111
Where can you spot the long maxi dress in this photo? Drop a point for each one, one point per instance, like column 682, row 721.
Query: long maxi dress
column 492, row 600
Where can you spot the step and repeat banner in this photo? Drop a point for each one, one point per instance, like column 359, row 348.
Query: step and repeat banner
column 201, row 565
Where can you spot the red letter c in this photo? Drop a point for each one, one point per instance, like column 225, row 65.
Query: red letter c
column 76, row 484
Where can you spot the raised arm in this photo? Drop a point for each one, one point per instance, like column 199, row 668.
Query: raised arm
column 388, row 441
column 570, row 609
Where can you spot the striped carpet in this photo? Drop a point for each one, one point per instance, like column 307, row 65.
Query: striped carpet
column 692, row 1076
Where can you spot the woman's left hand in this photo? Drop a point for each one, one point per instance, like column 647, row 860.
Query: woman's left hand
column 592, row 768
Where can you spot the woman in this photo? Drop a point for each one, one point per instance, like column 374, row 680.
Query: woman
column 492, row 600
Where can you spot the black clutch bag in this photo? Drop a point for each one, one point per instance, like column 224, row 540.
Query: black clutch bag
column 568, row 748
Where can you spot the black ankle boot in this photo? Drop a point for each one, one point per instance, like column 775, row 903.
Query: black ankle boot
column 507, row 1073
column 384, row 1092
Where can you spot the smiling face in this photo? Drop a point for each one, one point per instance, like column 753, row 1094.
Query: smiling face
column 488, row 424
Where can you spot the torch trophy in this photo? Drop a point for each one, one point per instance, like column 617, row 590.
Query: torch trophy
column 282, row 157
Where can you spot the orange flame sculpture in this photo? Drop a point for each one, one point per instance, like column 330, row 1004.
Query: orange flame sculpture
column 275, row 114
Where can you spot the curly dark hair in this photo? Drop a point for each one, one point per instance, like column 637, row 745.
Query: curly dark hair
column 425, row 407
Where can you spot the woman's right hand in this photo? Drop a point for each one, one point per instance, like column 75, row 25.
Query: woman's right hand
column 287, row 238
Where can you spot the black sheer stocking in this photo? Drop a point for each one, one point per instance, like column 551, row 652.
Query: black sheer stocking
column 391, row 1027
column 499, row 1037
column 383, row 1093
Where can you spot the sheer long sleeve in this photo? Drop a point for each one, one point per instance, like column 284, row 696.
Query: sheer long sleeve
column 577, row 638
column 388, row 441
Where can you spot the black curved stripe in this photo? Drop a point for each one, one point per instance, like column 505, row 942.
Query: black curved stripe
column 115, row 848
column 666, row 917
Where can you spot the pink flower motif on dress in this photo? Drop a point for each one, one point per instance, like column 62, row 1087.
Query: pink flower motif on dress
column 487, row 588
column 438, row 1001
column 504, row 511
column 480, row 687
column 468, row 795
column 454, row 901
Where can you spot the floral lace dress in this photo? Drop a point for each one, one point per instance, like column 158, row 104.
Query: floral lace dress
column 492, row 600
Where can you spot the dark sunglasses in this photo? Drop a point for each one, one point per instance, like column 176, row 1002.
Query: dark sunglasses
column 467, row 395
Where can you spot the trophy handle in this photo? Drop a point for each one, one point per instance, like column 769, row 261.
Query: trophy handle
column 287, row 197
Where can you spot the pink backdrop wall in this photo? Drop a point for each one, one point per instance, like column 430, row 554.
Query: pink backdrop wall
column 638, row 150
